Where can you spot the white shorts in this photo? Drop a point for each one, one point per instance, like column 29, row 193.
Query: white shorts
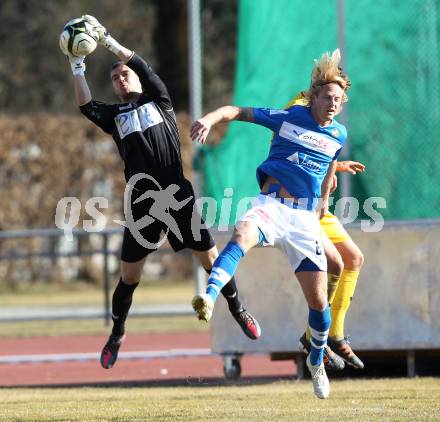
column 295, row 231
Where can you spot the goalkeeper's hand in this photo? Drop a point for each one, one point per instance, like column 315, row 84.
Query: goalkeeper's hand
column 77, row 64
column 99, row 32
column 102, row 36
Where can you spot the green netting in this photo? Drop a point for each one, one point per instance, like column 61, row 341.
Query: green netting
column 392, row 57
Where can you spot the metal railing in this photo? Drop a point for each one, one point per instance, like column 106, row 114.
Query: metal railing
column 106, row 252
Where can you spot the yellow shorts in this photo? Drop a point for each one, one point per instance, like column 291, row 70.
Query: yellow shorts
column 334, row 230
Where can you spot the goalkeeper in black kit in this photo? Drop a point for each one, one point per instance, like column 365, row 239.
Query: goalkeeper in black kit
column 158, row 198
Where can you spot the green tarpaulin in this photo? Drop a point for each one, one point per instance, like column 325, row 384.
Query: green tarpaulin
column 392, row 57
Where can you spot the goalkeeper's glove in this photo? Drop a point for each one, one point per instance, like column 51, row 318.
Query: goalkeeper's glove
column 102, row 36
column 76, row 63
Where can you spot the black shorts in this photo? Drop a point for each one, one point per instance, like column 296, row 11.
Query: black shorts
column 182, row 225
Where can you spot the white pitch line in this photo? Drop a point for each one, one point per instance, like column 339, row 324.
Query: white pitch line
column 84, row 357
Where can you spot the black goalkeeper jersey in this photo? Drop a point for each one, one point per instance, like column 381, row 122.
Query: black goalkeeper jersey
column 145, row 131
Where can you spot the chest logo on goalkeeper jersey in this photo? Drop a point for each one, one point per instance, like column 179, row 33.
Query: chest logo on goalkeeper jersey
column 309, row 139
column 138, row 120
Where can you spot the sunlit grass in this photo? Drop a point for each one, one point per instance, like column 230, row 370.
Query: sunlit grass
column 360, row 400
column 82, row 294
column 139, row 325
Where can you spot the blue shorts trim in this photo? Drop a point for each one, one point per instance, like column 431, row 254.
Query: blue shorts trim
column 307, row 265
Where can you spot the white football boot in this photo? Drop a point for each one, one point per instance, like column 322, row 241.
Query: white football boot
column 321, row 386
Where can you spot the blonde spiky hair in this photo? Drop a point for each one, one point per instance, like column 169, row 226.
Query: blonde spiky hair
column 327, row 70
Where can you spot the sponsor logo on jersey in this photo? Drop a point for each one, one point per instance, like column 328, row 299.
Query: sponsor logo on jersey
column 309, row 139
column 303, row 160
column 312, row 165
column 125, row 107
column 138, row 120
column 294, row 158
column 272, row 112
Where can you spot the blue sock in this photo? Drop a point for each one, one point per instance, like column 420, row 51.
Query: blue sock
column 224, row 268
column 319, row 323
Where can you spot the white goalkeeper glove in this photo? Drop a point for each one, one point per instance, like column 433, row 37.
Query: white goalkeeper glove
column 101, row 35
column 76, row 63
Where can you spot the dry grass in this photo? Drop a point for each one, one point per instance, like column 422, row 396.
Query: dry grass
column 80, row 294
column 152, row 292
column 96, row 326
column 360, row 400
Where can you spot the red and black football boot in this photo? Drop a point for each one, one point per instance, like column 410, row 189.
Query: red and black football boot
column 247, row 323
column 110, row 351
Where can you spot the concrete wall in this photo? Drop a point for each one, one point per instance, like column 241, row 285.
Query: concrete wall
column 396, row 304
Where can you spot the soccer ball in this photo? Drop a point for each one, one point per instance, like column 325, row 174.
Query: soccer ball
column 77, row 38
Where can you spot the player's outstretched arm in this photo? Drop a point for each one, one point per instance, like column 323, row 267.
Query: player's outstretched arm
column 334, row 184
column 201, row 127
column 352, row 167
column 78, row 67
column 150, row 81
column 82, row 90
column 103, row 37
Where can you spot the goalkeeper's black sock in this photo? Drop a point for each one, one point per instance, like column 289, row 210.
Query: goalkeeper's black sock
column 230, row 293
column 121, row 302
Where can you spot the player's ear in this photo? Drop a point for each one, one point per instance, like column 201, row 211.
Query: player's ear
column 314, row 94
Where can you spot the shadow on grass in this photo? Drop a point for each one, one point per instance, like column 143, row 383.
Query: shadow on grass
column 188, row 382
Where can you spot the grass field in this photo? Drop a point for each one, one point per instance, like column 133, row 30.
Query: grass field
column 362, row 400
column 134, row 325
column 80, row 294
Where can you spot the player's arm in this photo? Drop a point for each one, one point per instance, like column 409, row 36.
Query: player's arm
column 326, row 187
column 334, row 183
column 82, row 90
column 103, row 38
column 151, row 83
column 95, row 111
column 99, row 113
column 352, row 167
column 78, row 67
column 201, row 127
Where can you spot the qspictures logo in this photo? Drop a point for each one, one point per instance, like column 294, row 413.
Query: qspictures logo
column 163, row 202
column 156, row 206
